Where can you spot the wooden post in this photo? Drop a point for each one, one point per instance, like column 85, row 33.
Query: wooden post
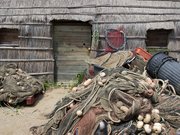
column 95, row 41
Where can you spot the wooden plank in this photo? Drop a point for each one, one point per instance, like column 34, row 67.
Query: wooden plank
column 30, row 14
column 88, row 32
column 70, row 43
column 99, row 13
column 83, row 47
column 42, row 73
column 92, row 14
column 127, row 37
column 96, row 6
column 71, row 28
column 9, row 45
column 26, row 48
column 71, row 49
column 73, row 54
column 133, row 22
column 69, row 69
column 74, row 41
column 33, row 37
column 72, row 58
column 72, row 72
column 66, row 77
column 25, row 60
column 72, row 37
column 141, row 37
column 70, row 63
column 69, row 76
column 37, row 24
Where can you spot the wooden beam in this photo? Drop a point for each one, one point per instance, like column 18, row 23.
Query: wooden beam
column 89, row 14
column 42, row 73
column 142, row 37
column 93, row 14
column 26, row 60
column 33, row 37
column 91, row 6
column 9, row 45
column 113, row 22
column 38, row 24
column 136, row 13
column 128, row 37
column 26, row 48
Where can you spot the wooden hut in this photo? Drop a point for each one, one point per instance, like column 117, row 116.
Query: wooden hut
column 50, row 38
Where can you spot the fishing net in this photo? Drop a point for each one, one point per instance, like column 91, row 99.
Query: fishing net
column 116, row 99
column 16, row 85
column 111, row 60
column 170, row 109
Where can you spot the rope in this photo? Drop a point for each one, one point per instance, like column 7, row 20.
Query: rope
column 122, row 86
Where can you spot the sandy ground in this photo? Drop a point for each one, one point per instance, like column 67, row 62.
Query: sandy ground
column 17, row 121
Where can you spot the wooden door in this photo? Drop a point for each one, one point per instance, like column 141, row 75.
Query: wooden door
column 71, row 42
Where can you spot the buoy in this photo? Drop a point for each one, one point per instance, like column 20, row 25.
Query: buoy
column 102, row 125
column 79, row 113
column 104, row 80
column 147, row 118
column 119, row 104
column 124, row 72
column 140, row 117
column 157, row 128
column 102, row 74
column 10, row 101
column 155, row 111
column 147, row 128
column 1, row 90
column 140, row 124
column 156, row 117
column 124, row 109
column 74, row 89
column 71, row 105
column 87, row 82
column 100, row 83
column 148, row 80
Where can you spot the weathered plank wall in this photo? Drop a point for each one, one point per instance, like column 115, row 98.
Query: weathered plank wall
column 174, row 42
column 133, row 16
column 33, row 53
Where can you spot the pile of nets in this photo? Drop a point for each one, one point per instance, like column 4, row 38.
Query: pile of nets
column 16, row 85
column 116, row 102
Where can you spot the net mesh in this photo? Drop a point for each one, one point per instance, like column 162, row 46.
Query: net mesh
column 122, row 97
column 16, row 85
